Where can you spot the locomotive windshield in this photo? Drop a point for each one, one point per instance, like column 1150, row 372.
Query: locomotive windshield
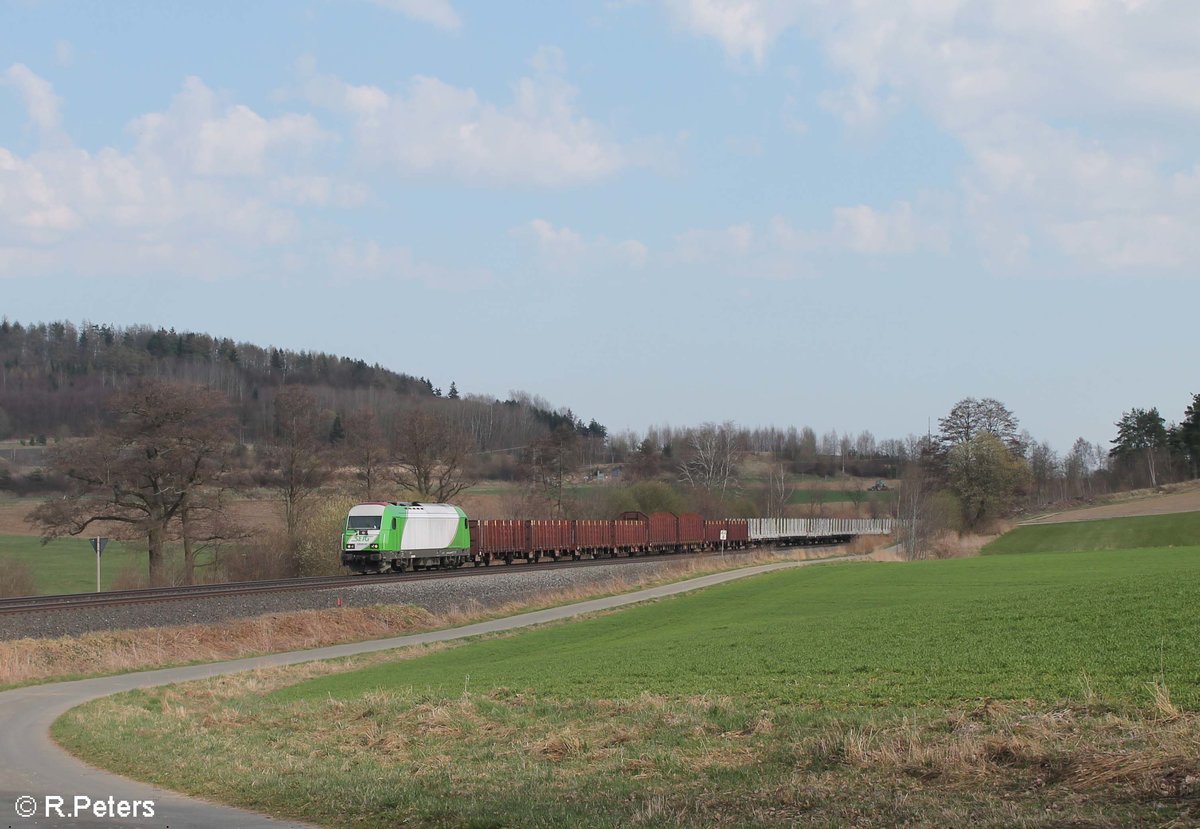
column 363, row 522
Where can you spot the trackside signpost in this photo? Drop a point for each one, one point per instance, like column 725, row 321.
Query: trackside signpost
column 98, row 545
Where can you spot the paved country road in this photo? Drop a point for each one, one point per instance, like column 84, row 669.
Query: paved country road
column 33, row 768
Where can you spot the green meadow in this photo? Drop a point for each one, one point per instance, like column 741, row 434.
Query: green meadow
column 1041, row 689
column 1178, row 530
column 840, row 496
column 1022, row 627
column 68, row 565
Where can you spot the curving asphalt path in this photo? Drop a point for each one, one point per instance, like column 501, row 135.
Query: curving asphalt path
column 33, row 766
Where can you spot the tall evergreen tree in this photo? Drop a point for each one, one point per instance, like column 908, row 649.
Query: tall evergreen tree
column 1141, row 432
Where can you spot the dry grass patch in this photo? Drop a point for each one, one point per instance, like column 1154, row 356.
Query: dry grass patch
column 1019, row 746
column 699, row 761
column 23, row 660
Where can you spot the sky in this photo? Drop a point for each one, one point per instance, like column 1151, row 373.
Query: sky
column 843, row 214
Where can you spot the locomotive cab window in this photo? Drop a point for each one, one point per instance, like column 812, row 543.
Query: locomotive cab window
column 363, row 522
column 393, row 523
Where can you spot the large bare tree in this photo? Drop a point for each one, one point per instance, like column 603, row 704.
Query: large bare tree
column 167, row 444
column 430, row 454
column 779, row 491
column 971, row 417
column 711, row 458
column 299, row 451
column 550, row 460
column 206, row 526
column 366, row 449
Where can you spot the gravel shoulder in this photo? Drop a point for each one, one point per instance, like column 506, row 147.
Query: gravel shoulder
column 31, row 765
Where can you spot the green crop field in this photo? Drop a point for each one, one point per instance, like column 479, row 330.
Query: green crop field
column 1023, row 627
column 1180, row 529
column 1032, row 690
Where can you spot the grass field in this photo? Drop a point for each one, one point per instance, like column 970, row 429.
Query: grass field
column 840, row 496
column 68, row 565
column 1026, row 690
column 1001, row 627
column 1179, row 529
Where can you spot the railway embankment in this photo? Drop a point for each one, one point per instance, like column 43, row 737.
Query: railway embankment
column 159, row 634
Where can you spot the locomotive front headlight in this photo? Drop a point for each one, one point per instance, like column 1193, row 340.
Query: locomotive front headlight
column 374, row 546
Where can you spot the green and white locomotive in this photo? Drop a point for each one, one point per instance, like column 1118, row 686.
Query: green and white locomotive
column 401, row 536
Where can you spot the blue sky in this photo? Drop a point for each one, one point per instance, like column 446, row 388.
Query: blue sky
column 846, row 215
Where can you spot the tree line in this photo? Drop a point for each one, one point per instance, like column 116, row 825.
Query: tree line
column 980, row 467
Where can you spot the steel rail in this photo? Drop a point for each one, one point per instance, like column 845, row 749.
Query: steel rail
column 148, row 595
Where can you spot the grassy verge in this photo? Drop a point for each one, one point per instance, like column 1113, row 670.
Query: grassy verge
column 1179, row 529
column 26, row 661
column 1003, row 691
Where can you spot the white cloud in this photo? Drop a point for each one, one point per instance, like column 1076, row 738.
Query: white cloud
column 1005, row 79
column 42, row 105
column 863, row 229
column 207, row 190
column 746, row 28
column 1131, row 242
column 222, row 141
column 436, row 128
column 318, row 191
column 439, row 13
column 563, row 249
column 780, row 250
column 371, row 260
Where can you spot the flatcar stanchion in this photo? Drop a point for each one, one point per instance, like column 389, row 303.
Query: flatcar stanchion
column 98, row 545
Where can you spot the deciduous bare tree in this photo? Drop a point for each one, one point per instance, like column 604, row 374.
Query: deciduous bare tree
column 711, row 458
column 970, row 417
column 205, row 526
column 779, row 492
column 298, row 452
column 168, row 443
column 430, row 455
column 549, row 464
column 367, row 450
column 915, row 527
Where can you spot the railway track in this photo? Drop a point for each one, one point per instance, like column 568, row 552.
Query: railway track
column 149, row 595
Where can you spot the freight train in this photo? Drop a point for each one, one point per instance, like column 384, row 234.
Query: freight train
column 398, row 536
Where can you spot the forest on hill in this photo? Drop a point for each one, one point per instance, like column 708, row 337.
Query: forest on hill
column 56, row 379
